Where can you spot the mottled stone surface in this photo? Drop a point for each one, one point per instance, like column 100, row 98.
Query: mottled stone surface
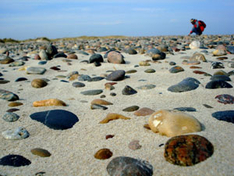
column 7, row 95
column 128, row 90
column 117, row 75
column 187, row 150
column 10, row 117
column 14, row 161
column 126, row 166
column 187, row 84
column 16, row 134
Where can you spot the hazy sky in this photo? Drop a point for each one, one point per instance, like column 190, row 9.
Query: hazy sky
column 24, row 19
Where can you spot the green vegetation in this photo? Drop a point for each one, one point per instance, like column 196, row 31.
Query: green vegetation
column 9, row 40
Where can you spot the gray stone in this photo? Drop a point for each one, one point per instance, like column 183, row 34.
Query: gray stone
column 35, row 70
column 16, row 134
column 10, row 117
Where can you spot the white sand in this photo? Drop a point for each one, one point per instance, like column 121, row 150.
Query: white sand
column 73, row 149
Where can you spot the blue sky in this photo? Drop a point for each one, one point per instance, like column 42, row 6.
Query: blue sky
column 24, row 19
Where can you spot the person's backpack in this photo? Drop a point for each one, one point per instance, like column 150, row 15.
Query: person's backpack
column 202, row 23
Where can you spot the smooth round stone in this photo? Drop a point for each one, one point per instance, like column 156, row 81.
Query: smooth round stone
column 230, row 49
column 221, row 72
column 56, row 119
column 131, row 51
column 150, row 70
column 220, row 77
column 231, row 64
column 146, row 87
column 131, row 108
column 176, row 69
column 16, row 134
column 172, row 63
column 92, row 92
column 10, row 117
column 116, row 75
column 16, row 64
column 7, row 60
column 35, row 70
column 12, row 110
column 97, row 78
column 38, row 83
column 198, row 57
column 144, row 112
column 84, row 78
column 153, row 51
column 42, row 62
column 195, row 45
column 217, row 65
column 134, row 145
column 21, row 79
column 4, row 81
column 103, row 154
column 96, row 58
column 125, row 166
column 225, row 99
column 7, row 95
column 43, row 55
column 60, row 54
column 40, row 152
column 128, row 90
column 188, row 109
column 72, row 74
column 185, row 85
column 78, row 84
column 131, row 71
column 188, row 150
column 216, row 84
column 115, row 57
column 14, row 161
column 227, row 116
column 97, row 106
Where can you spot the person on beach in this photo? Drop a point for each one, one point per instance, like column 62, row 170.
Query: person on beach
column 198, row 26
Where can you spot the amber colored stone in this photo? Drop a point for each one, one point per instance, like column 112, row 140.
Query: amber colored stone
column 14, row 104
column 101, row 102
column 113, row 116
column 109, row 136
column 187, row 150
column 38, row 83
column 195, row 67
column 49, row 102
column 103, row 154
column 40, row 152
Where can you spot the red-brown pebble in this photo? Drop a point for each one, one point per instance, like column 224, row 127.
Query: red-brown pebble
column 102, row 154
column 187, row 150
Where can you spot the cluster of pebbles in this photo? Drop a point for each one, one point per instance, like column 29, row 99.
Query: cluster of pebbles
column 176, row 126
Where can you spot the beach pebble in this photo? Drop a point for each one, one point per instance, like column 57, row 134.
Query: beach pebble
column 72, row 56
column 38, row 83
column 231, row 64
column 41, row 152
column 173, row 123
column 14, row 161
column 144, row 112
column 185, row 85
column 103, row 154
column 113, row 116
column 188, row 109
column 159, row 56
column 10, row 117
column 78, row 84
column 7, row 95
column 60, row 54
column 16, row 64
column 16, row 134
column 101, row 102
column 227, row 116
column 134, row 145
column 146, row 87
column 3, row 81
column 56, row 119
column 219, row 52
column 150, row 70
column 21, row 79
column 131, row 108
column 198, row 57
column 117, row 75
column 144, row 63
column 176, row 69
column 188, row 150
column 35, row 70
column 230, row 49
column 129, row 166
column 7, row 60
column 42, row 62
column 217, row 65
column 49, row 102
column 216, row 84
column 98, row 106
column 128, row 90
column 96, row 58
column 43, row 55
column 14, row 104
column 225, row 99
column 195, row 45
column 92, row 92
column 131, row 51
column 220, row 77
column 84, row 78
column 115, row 57
column 152, row 52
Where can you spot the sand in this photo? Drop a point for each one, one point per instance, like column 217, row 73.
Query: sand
column 73, row 149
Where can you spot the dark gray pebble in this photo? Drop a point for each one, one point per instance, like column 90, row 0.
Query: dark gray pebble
column 227, row 116
column 78, row 84
column 216, row 84
column 14, row 160
column 92, row 92
column 128, row 90
column 10, row 117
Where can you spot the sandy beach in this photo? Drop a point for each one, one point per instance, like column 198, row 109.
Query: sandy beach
column 72, row 150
